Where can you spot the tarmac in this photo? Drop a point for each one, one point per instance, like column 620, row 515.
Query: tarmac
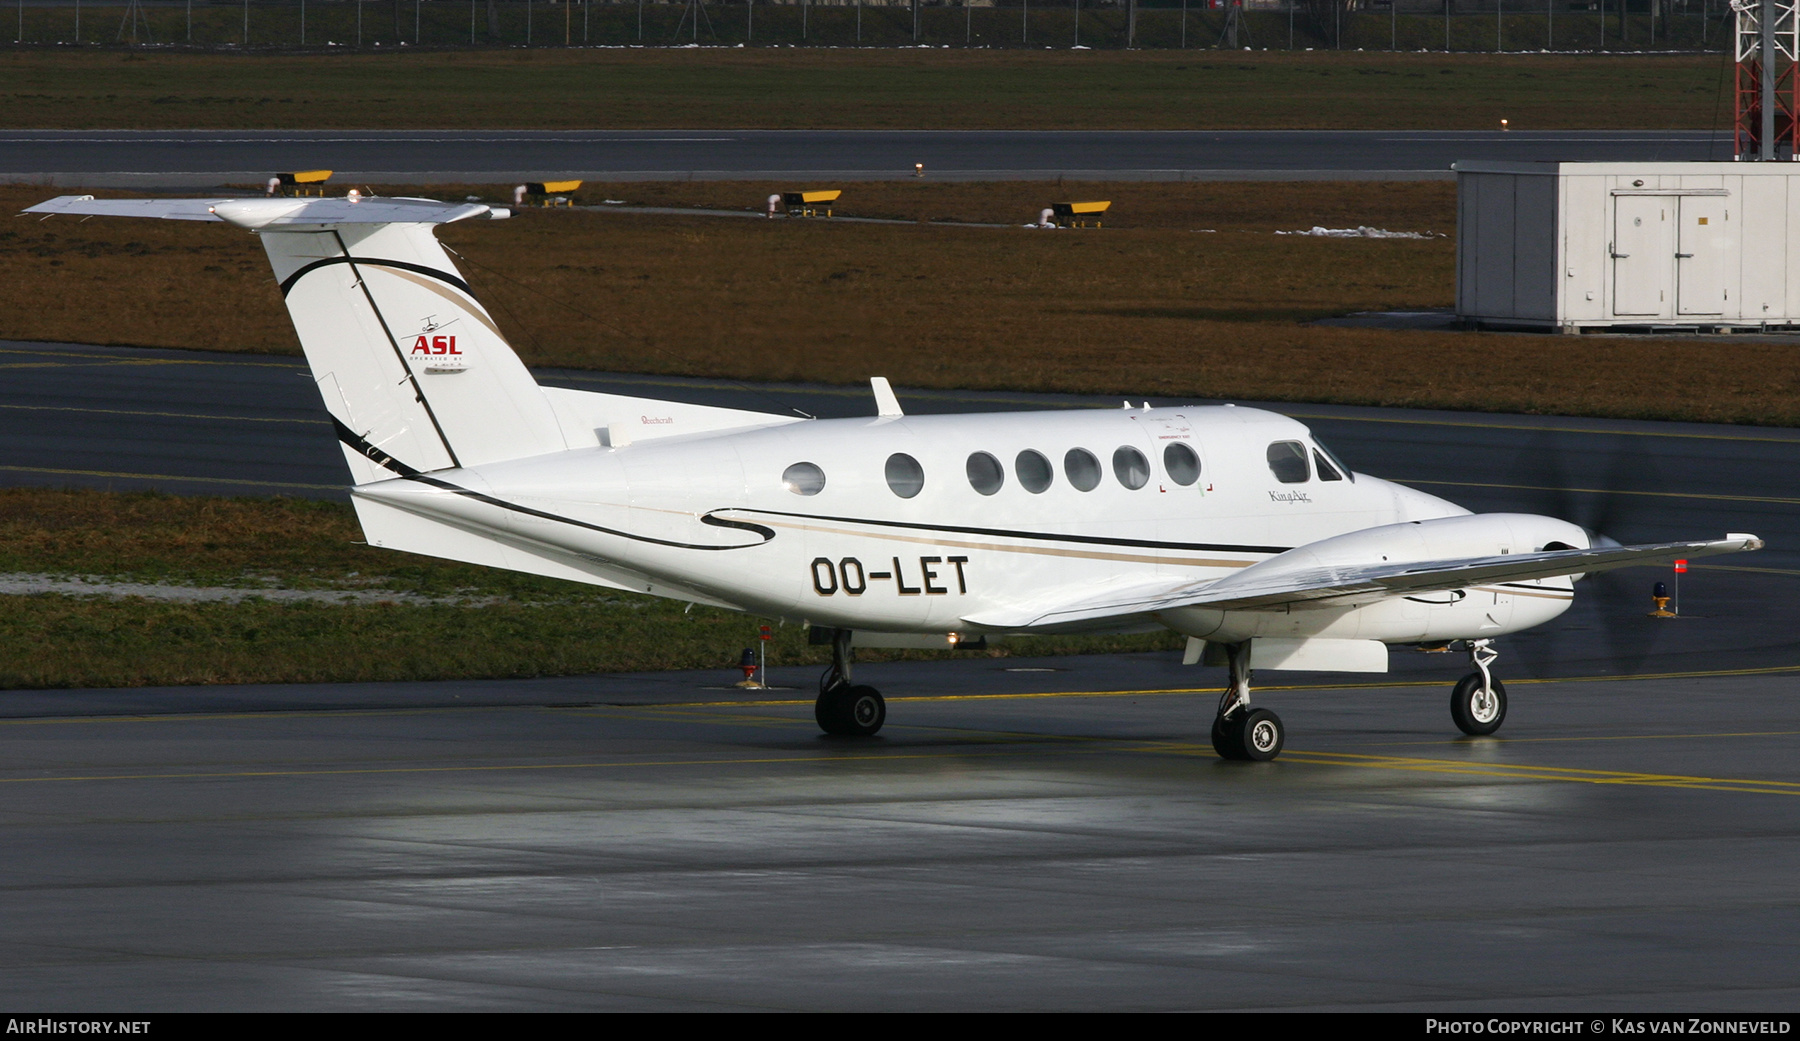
column 1059, row 840
column 178, row 159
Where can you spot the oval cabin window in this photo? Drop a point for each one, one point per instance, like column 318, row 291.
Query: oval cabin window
column 1082, row 469
column 1182, row 463
column 904, row 475
column 1130, row 467
column 803, row 479
column 985, row 474
column 1034, row 471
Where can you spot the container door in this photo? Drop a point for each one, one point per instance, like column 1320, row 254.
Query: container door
column 1704, row 245
column 1643, row 242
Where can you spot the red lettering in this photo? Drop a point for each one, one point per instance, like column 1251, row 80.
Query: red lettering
column 453, row 349
column 438, row 346
column 420, row 346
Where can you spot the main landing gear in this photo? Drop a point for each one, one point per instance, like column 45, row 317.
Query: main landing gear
column 1478, row 704
column 1239, row 731
column 844, row 708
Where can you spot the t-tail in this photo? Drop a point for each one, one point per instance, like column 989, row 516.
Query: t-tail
column 416, row 375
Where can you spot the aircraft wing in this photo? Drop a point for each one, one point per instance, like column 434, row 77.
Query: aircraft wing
column 1259, row 588
column 257, row 213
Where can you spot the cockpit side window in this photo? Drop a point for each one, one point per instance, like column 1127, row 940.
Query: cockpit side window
column 1327, row 472
column 1287, row 461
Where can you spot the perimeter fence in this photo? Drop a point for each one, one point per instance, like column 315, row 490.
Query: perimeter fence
column 1406, row 25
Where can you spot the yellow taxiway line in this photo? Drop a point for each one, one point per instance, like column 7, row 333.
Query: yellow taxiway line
column 1529, row 772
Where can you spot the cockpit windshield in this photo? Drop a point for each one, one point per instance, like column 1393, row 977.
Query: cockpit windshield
column 1335, row 463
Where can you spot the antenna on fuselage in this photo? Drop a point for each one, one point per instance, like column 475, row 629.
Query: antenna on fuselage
column 886, row 404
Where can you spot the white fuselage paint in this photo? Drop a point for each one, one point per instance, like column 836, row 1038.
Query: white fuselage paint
column 706, row 517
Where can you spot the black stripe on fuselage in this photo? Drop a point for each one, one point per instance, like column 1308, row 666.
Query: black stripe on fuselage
column 1037, row 536
column 766, row 533
column 361, row 446
column 445, row 277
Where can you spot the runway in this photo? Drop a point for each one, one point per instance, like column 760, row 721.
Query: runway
column 1024, row 834
column 203, row 158
column 646, row 843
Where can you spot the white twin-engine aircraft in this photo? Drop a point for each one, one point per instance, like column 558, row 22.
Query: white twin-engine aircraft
column 1232, row 526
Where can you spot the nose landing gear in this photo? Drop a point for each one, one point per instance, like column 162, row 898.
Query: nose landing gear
column 1239, row 731
column 847, row 709
column 1478, row 704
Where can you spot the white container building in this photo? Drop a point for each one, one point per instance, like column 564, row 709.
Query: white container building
column 1573, row 246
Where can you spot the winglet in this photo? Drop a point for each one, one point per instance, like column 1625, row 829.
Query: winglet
column 886, row 404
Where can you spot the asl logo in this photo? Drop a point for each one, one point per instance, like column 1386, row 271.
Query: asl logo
column 435, row 345
column 440, row 354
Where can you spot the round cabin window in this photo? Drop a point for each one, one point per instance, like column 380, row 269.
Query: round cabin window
column 1183, row 465
column 1130, row 467
column 904, row 475
column 985, row 473
column 803, row 479
column 1034, row 471
column 1083, row 469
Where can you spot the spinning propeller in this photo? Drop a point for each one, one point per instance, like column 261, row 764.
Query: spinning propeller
column 1591, row 481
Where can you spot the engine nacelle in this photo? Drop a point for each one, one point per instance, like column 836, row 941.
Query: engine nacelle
column 1479, row 612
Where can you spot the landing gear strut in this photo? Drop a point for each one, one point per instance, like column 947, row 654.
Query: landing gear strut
column 1478, row 704
column 844, row 708
column 1239, row 731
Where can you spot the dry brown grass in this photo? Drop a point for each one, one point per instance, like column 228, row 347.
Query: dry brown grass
column 863, row 88
column 1148, row 306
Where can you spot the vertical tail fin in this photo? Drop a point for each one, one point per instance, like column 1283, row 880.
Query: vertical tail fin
column 408, row 361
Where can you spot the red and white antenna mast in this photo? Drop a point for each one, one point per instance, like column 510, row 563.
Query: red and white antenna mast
column 1767, row 45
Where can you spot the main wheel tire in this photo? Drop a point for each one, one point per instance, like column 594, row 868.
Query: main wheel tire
column 1477, row 713
column 856, row 711
column 1262, row 735
column 1228, row 737
column 864, row 710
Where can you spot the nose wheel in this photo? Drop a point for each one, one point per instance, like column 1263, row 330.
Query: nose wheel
column 1478, row 708
column 1478, row 704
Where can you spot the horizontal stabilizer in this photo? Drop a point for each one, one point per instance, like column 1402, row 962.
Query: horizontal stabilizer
column 259, row 213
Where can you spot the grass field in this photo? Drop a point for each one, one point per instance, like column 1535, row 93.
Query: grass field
column 860, row 89
column 1188, row 293
column 506, row 625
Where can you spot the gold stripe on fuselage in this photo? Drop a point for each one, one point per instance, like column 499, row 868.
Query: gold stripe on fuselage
column 1044, row 551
